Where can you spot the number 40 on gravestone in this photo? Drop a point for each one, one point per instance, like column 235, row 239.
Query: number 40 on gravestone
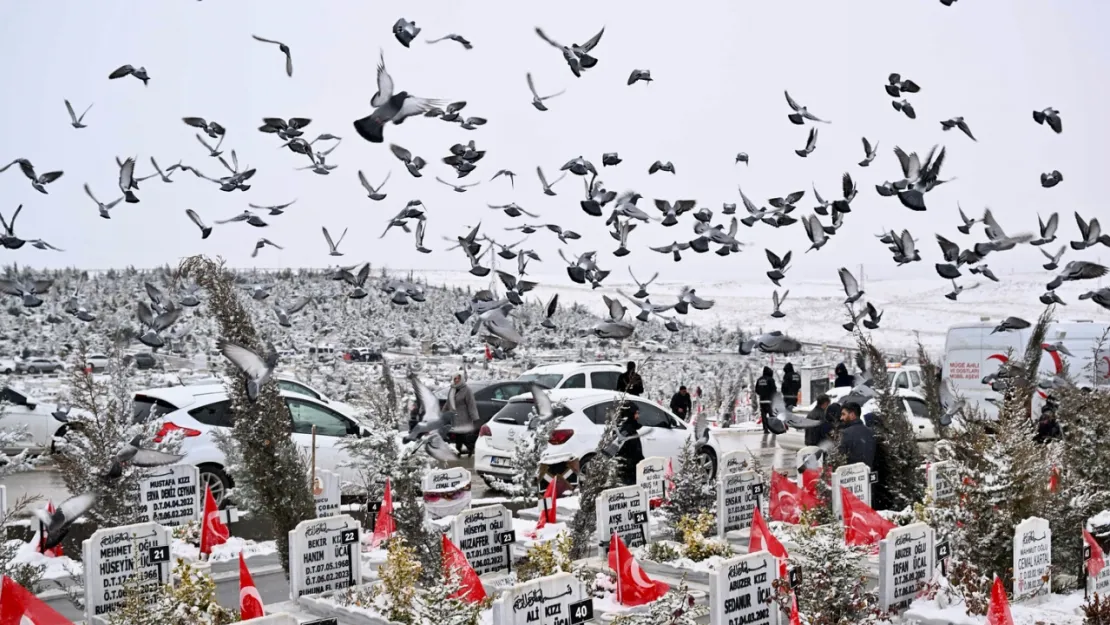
column 581, row 611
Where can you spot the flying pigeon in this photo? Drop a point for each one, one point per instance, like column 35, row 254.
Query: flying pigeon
column 661, row 166
column 74, row 120
column 453, row 37
column 390, row 106
column 134, row 453
column 639, row 74
column 800, row 113
column 334, row 246
column 811, row 144
column 205, row 230
column 284, row 314
column 1051, row 179
column 258, row 368
column 127, row 70
column 869, row 152
column 577, row 56
column 958, row 122
column 285, row 50
column 741, row 157
column 261, row 243
column 896, row 86
column 56, row 525
column 543, row 181
column 905, row 107
column 1050, row 115
column 405, row 31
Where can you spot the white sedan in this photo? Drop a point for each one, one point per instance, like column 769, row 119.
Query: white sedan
column 917, row 413
column 38, row 422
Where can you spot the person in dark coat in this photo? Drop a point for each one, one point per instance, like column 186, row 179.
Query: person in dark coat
column 680, row 403
column 843, row 378
column 631, row 451
column 630, row 382
column 857, row 441
column 1048, row 429
column 764, row 391
column 791, row 385
column 815, row 435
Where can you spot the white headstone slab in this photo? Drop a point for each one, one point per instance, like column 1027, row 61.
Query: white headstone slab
column 734, row 462
column 854, row 477
column 1099, row 583
column 941, row 480
column 810, row 457
column 446, row 492
column 543, row 601
column 1032, row 558
column 485, row 536
column 324, row 555
column 325, row 489
column 170, row 496
column 280, row 618
column 650, row 476
column 622, row 511
column 906, row 560
column 740, row 591
column 443, row 480
column 737, row 497
column 114, row 556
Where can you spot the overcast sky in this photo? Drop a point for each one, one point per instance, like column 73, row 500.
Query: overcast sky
column 720, row 69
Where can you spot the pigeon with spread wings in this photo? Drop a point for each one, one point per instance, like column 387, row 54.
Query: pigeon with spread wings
column 285, row 50
column 577, row 56
column 390, row 107
column 258, row 368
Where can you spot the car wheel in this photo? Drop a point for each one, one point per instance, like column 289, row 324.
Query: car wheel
column 213, row 476
column 708, row 460
column 32, row 370
column 8, row 371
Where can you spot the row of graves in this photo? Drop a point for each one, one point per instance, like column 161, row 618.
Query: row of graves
column 328, row 555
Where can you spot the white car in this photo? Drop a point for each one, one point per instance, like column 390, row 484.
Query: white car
column 575, row 440
column 36, row 420
column 652, row 346
column 7, row 366
column 201, row 410
column 917, row 412
column 97, row 362
column 601, row 375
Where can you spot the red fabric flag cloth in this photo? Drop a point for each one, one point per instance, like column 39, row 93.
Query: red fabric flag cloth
column 668, row 476
column 634, row 587
column 213, row 531
column 454, row 561
column 809, row 488
column 760, row 537
column 862, row 525
column 250, row 602
column 548, row 503
column 795, row 616
column 56, row 550
column 788, row 500
column 1098, row 560
column 18, row 606
column 384, row 525
column 999, row 611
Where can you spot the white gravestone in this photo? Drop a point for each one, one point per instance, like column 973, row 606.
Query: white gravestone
column 734, row 462
column 138, row 554
column 650, row 476
column 623, row 511
column 280, row 618
column 558, row 599
column 485, row 536
column 324, row 556
column 1099, row 583
column 1032, row 558
column 941, row 480
column 446, row 492
column 737, row 498
column 811, row 457
column 170, row 496
column 906, row 561
column 325, row 489
column 740, row 591
column 854, row 477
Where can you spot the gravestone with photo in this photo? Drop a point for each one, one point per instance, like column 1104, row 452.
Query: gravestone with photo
column 446, row 492
column 734, row 462
column 1032, row 558
column 740, row 591
column 324, row 555
column 325, row 489
column 170, row 496
column 650, row 475
column 623, row 511
column 738, row 495
column 485, row 536
column 906, row 561
column 559, row 599
column 116, row 557
column 854, row 477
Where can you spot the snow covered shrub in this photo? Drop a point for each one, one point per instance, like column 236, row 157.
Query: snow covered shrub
column 897, row 459
column 674, row 608
column 192, row 601
column 400, row 577
column 546, row 558
column 693, row 492
column 27, row 575
column 930, row 388
column 600, row 473
column 101, row 420
column 660, row 551
column 437, row 604
column 270, row 474
column 375, row 456
column 695, row 532
column 1096, row 611
column 408, row 513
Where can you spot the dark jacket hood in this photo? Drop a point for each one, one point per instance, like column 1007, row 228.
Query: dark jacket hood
column 788, row 368
column 841, row 369
column 767, row 373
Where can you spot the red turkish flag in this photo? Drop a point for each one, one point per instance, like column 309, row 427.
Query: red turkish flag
column 454, row 561
column 1097, row 560
column 212, row 531
column 18, row 606
column 788, row 500
column 862, row 525
column 384, row 525
column 999, row 611
column 56, row 550
column 634, row 587
column 760, row 537
column 547, row 504
column 250, row 602
column 795, row 617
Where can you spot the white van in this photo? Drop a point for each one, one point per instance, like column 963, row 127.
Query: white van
column 972, row 352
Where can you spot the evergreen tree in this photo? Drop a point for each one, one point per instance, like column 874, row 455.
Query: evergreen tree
column 600, row 473
column 526, row 461
column 931, row 388
column 693, row 492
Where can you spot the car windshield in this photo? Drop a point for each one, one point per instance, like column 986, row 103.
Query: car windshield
column 550, row 380
column 145, row 408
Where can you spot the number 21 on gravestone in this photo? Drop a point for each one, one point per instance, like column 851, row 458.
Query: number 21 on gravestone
column 158, row 555
column 581, row 611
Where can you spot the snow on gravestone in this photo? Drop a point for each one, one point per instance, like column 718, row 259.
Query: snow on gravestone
column 811, row 457
column 906, row 558
column 169, row 496
column 623, row 511
column 740, row 591
column 737, row 497
column 735, row 462
column 446, row 491
column 650, row 476
column 1032, row 558
column 485, row 535
column 324, row 555
column 941, row 480
column 854, row 477
column 325, row 489
column 558, row 599
column 114, row 556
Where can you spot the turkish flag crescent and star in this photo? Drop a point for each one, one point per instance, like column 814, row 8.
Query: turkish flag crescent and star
column 250, row 602
column 470, row 585
column 634, row 587
column 18, row 606
column 862, row 525
column 213, row 531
